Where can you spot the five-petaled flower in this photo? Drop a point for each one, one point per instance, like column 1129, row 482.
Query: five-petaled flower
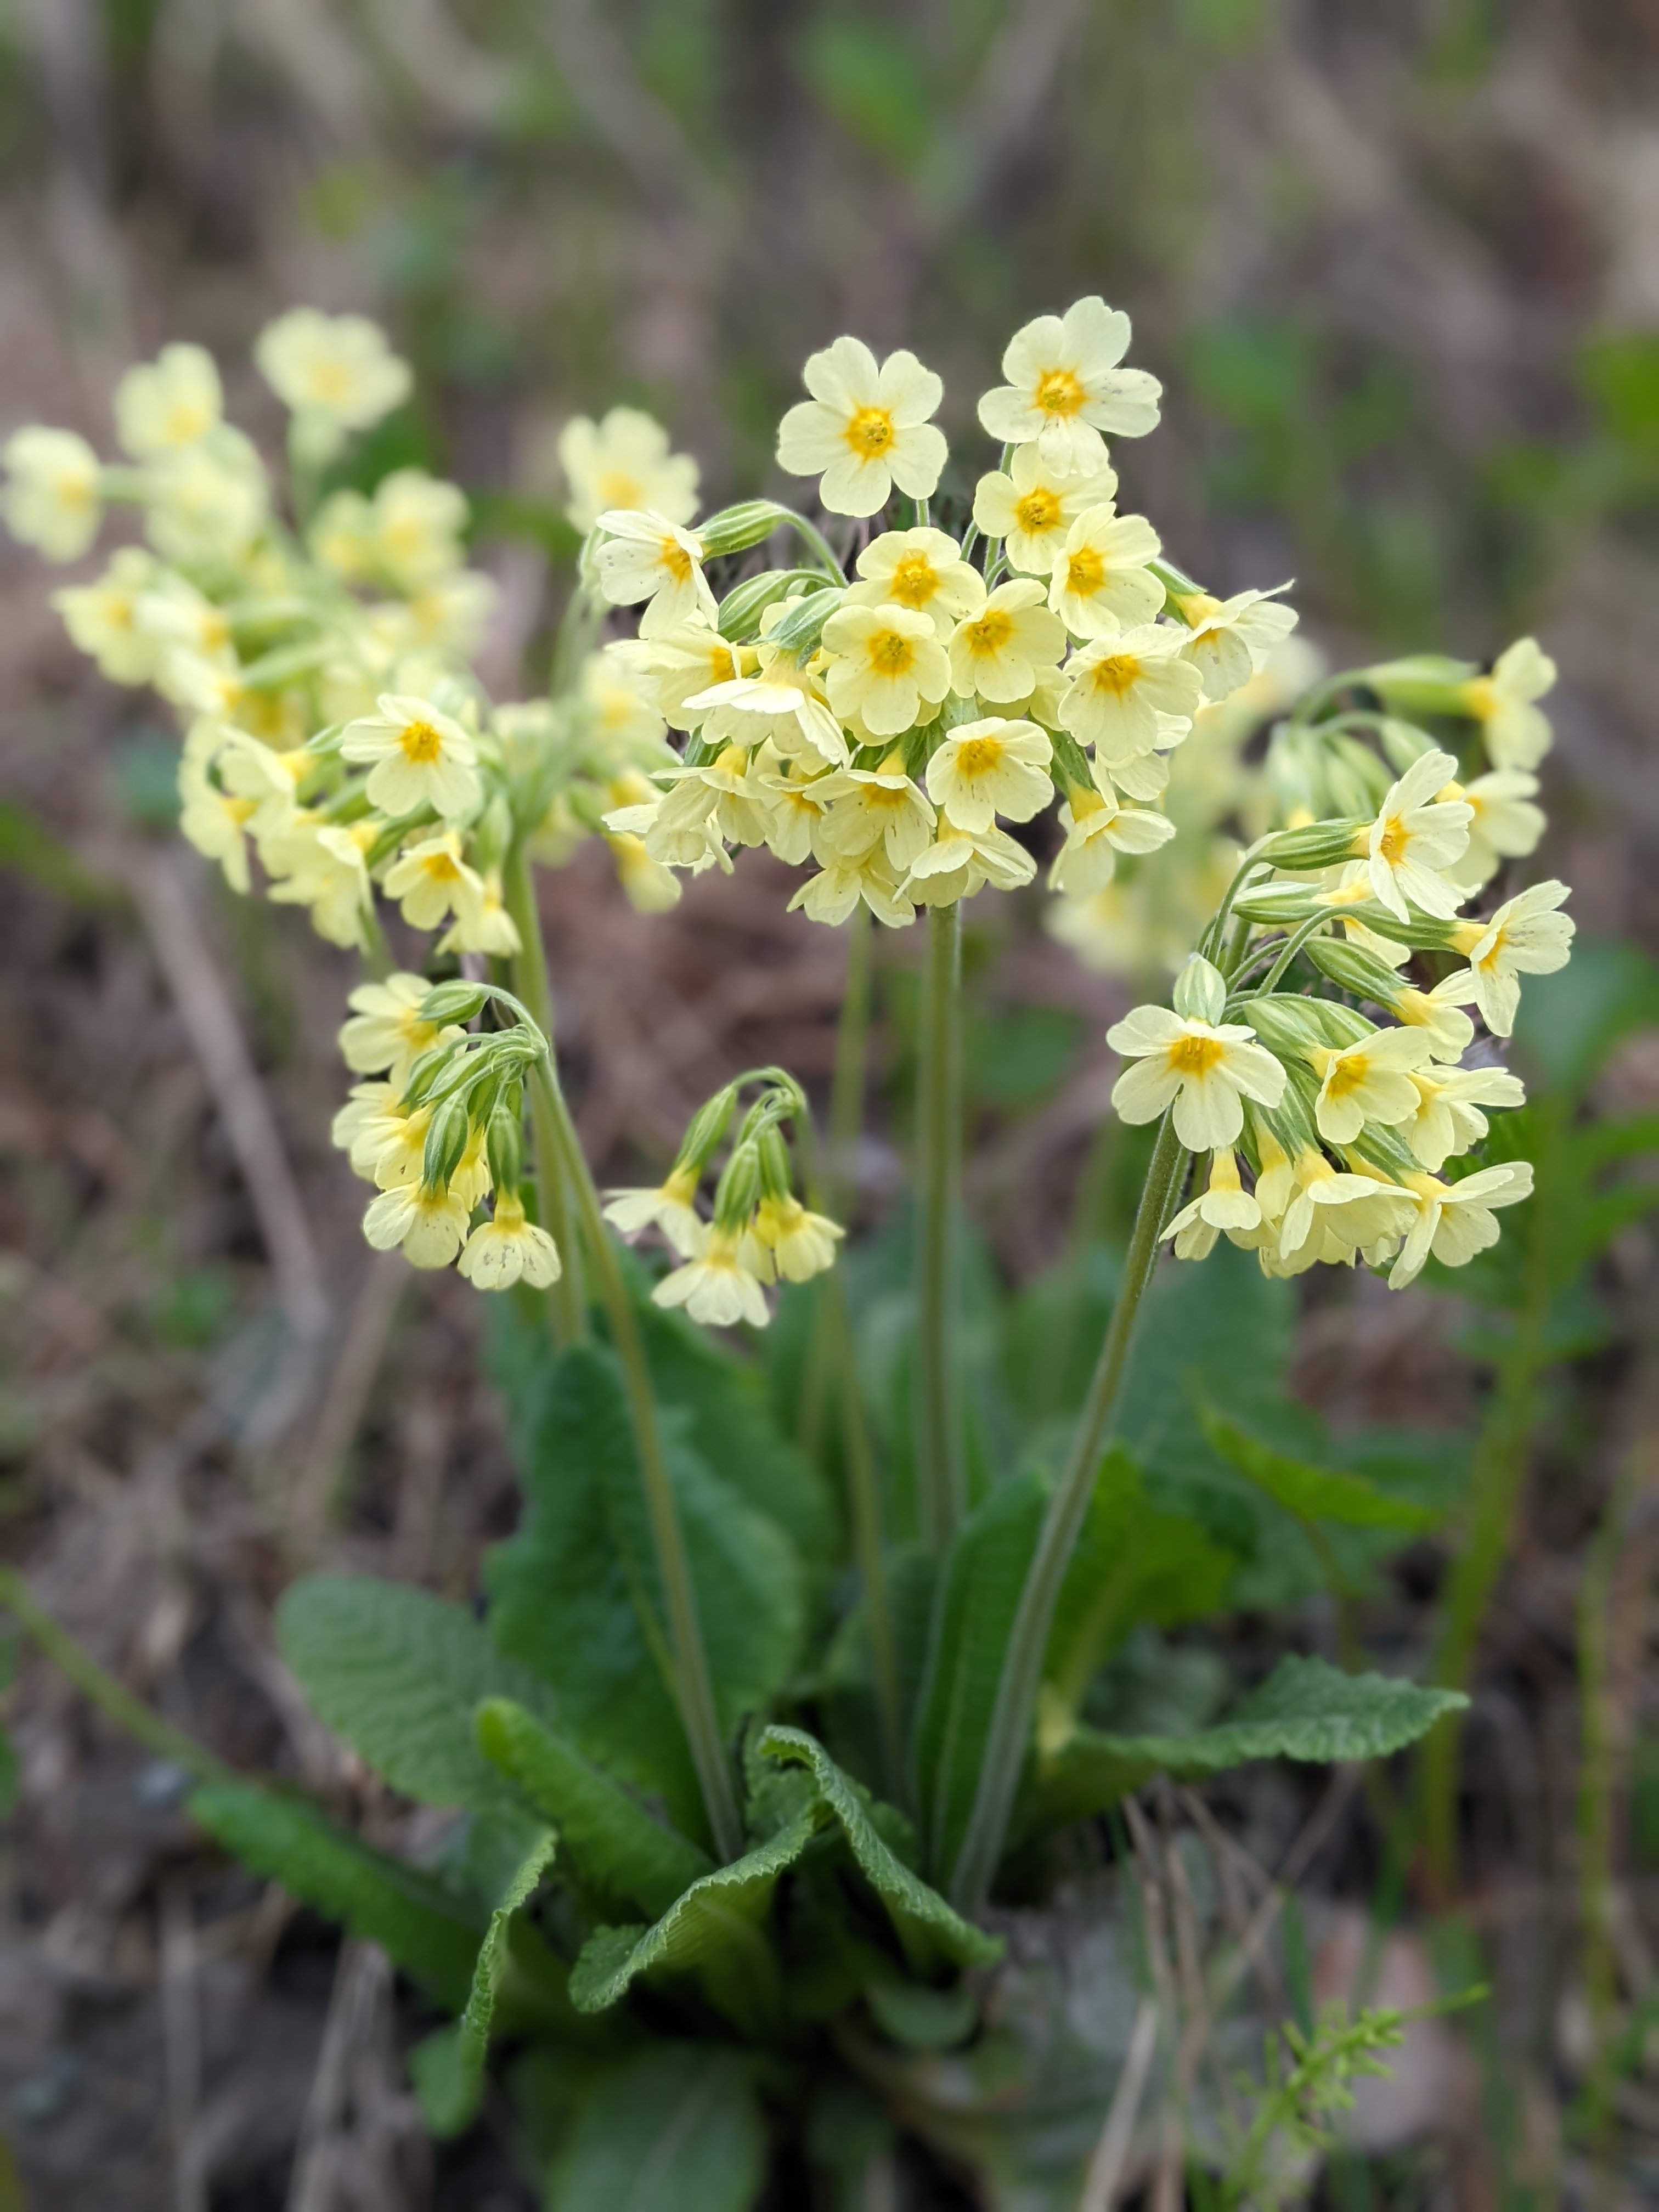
column 867, row 428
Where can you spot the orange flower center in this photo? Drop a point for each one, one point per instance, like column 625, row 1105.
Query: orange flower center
column 914, row 580
column 1196, row 1055
column 989, row 635
column 1086, row 572
column 674, row 558
column 1396, row 838
column 1058, row 392
column 870, row 433
column 1038, row 511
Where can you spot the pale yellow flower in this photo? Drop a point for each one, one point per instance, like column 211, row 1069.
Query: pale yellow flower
column 921, row 569
column 624, row 461
column 489, row 927
column 421, row 756
column 215, row 821
column 1525, row 937
column 1097, row 830
column 990, row 767
column 430, row 1223
column 649, row 887
column 1454, row 1221
column 845, row 878
column 866, row 428
column 646, row 557
column 718, row 1286
column 959, row 863
column 671, row 1208
column 1064, row 386
column 883, row 664
column 1204, row 1070
column 385, row 1033
column 431, row 881
column 1506, row 825
column 1449, row 1119
column 1101, row 583
column 336, row 369
column 1222, row 1205
column 1331, row 1216
column 1032, row 507
column 686, row 659
column 53, row 499
column 1368, row 1081
column 622, row 721
column 102, row 618
column 204, row 504
column 999, row 653
column 1123, row 689
column 171, row 401
column 755, row 710
column 509, row 1248
column 1416, row 837
column 1517, row 730
column 874, row 807
column 326, row 872
column 1232, row 640
column 802, row 1244
column 795, row 808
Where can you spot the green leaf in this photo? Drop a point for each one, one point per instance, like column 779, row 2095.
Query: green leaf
column 1131, row 1564
column 492, row 1953
column 1312, row 1493
column 574, row 1592
column 927, row 1926
column 616, row 1847
column 1570, row 1022
column 973, row 1612
column 430, row 1932
column 450, row 2091
column 1304, row 1710
column 676, row 2129
column 713, row 1931
column 399, row 1675
column 923, row 2019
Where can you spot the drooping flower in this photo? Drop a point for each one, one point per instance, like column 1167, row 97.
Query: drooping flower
column 921, row 569
column 431, row 881
column 1506, row 825
column 624, row 461
column 1031, row 508
column 1454, row 1221
column 1416, row 836
column 1000, row 653
column 1231, row 638
column 421, row 756
column 510, row 1249
column 865, row 428
column 1064, row 386
column 844, row 879
column 959, row 863
column 1525, row 937
column 1204, row 1070
column 52, row 500
column 1224, row 1203
column 1368, row 1081
column 1517, row 730
column 327, row 873
column 1448, row 1120
column 990, row 767
column 802, row 1244
column 671, row 1208
column 1097, row 830
column 1101, row 583
column 427, row 1219
column 103, row 618
column 721, row 1284
column 875, row 806
column 646, row 557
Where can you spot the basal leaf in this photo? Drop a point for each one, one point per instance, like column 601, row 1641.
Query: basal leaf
column 429, row 1931
column 973, row 1611
column 928, row 1925
column 616, row 1847
column 1312, row 1493
column 492, row 1953
column 713, row 1930
column 399, row 1673
column 574, row 1592
column 678, row 2128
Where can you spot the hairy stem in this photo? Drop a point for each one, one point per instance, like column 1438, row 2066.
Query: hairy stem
column 692, row 1684
column 852, row 1055
column 941, row 1474
column 1027, row 1639
column 567, row 1299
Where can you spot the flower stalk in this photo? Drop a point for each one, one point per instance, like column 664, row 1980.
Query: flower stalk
column 1022, row 1663
column 567, row 1299
column 941, row 1472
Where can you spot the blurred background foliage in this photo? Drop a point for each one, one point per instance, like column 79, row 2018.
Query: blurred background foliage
column 1398, row 269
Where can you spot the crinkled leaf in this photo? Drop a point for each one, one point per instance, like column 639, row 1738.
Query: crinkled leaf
column 928, row 1926
column 492, row 1953
column 973, row 1612
column 429, row 1931
column 615, row 1846
column 575, row 1592
column 399, row 1675
column 678, row 2128
column 1312, row 1493
column 714, row 1931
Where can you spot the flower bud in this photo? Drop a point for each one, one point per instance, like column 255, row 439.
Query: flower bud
column 1280, row 907
column 705, row 1128
column 735, row 529
column 1351, row 967
column 799, row 631
column 1403, row 743
column 445, row 1142
column 777, row 1177
column 1321, row 845
column 459, row 1002
column 1200, row 993
column 741, row 610
column 739, row 1187
column 1424, row 684
column 504, row 1143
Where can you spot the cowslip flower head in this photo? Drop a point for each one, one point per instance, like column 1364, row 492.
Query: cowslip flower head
column 1204, row 1070
column 510, row 1249
column 865, row 428
column 1000, row 652
column 990, row 767
column 171, row 401
column 1369, row 1081
column 884, row 662
column 386, row 1034
column 1416, row 836
column 1101, row 582
column 1454, row 1221
column 427, row 1219
column 921, row 569
column 1506, row 825
column 1231, row 640
column 337, row 372
column 421, row 756
column 1031, row 507
column 1222, row 1205
column 1122, row 688
column 644, row 555
column 1097, row 830
column 624, row 461
column 1525, row 937
column 1065, row 388
column 1517, row 730
column 52, row 500
column 721, row 1284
